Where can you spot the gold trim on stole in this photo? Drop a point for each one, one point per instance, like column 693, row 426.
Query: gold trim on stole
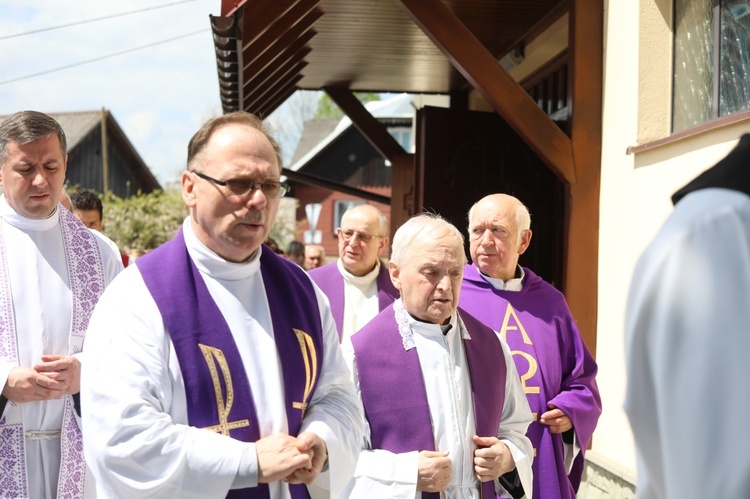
column 310, row 359
column 214, row 356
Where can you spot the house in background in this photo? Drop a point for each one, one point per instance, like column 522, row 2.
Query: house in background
column 120, row 170
column 335, row 150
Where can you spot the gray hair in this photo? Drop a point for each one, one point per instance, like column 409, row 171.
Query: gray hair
column 24, row 127
column 522, row 218
column 423, row 225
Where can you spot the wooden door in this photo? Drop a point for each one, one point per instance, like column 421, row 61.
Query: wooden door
column 463, row 156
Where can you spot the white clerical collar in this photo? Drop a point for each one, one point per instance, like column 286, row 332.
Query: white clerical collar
column 214, row 265
column 359, row 281
column 408, row 325
column 17, row 220
column 515, row 284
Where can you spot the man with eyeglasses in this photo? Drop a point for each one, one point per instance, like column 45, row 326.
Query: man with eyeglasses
column 357, row 285
column 215, row 367
column 557, row 370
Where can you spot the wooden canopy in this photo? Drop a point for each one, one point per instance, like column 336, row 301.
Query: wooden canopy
column 267, row 49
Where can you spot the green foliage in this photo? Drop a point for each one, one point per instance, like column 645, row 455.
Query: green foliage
column 143, row 221
column 328, row 109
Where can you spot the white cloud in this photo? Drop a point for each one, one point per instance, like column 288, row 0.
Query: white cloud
column 159, row 95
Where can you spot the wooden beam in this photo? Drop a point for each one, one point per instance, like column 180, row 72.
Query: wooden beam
column 278, row 80
column 403, row 190
column 228, row 7
column 291, row 45
column 479, row 67
column 315, row 181
column 585, row 84
column 375, row 132
column 283, row 63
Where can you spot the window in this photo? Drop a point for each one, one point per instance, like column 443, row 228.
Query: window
column 339, row 208
column 711, row 60
column 402, row 136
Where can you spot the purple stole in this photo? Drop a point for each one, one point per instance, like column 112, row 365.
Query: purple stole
column 554, row 365
column 87, row 281
column 218, row 392
column 393, row 390
column 331, row 282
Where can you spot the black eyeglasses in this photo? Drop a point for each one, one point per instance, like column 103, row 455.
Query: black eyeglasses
column 348, row 235
column 272, row 189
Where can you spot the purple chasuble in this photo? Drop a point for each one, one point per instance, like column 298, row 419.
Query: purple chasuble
column 554, row 364
column 393, row 388
column 208, row 355
column 331, row 282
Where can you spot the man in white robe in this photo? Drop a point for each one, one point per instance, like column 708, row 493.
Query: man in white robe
column 47, row 289
column 142, row 443
column 687, row 330
column 357, row 284
column 458, row 369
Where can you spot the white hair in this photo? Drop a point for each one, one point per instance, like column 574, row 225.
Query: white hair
column 424, row 225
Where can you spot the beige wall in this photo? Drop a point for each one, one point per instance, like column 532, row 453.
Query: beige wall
column 636, row 188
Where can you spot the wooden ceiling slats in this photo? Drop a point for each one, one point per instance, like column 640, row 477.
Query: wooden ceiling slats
column 257, row 58
column 285, row 61
column 277, row 90
column 296, row 44
column 285, row 73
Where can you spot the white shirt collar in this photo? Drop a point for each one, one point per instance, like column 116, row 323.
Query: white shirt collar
column 208, row 262
column 21, row 222
column 515, row 284
column 359, row 281
column 407, row 325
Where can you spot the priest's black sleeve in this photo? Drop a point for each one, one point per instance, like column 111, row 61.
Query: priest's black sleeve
column 511, row 482
column 3, row 401
column 77, row 403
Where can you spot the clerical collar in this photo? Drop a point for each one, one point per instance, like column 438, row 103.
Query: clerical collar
column 419, row 325
column 514, row 284
column 359, row 281
column 21, row 222
column 208, row 262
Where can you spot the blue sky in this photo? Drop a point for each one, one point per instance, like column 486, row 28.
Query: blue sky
column 159, row 95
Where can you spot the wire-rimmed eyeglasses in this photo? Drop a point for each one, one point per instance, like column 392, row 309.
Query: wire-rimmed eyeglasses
column 272, row 189
column 348, row 235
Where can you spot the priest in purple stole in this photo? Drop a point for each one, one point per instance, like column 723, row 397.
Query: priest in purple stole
column 445, row 414
column 215, row 365
column 357, row 285
column 557, row 371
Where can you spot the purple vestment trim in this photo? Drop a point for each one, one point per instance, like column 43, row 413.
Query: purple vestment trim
column 393, row 390
column 192, row 318
column 331, row 282
column 87, row 281
column 555, row 366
